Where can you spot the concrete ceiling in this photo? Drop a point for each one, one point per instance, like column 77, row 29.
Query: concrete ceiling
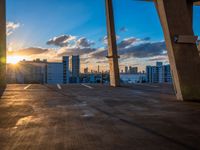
column 196, row 2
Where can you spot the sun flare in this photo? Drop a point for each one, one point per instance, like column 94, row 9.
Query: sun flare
column 14, row 59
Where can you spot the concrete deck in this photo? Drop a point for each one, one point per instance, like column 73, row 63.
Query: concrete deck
column 97, row 117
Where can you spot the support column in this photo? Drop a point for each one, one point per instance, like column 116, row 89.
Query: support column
column 176, row 19
column 112, row 46
column 2, row 43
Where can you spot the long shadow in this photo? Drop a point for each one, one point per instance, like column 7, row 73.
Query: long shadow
column 151, row 131
column 138, row 125
column 2, row 89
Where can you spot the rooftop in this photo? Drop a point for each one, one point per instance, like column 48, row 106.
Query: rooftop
column 97, row 117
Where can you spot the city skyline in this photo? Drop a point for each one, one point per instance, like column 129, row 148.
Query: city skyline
column 79, row 28
column 68, row 72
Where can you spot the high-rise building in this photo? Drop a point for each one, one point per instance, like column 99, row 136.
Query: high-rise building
column 133, row 70
column 58, row 73
column 65, row 69
column 39, row 72
column 167, row 73
column 86, row 70
column 155, row 74
column 160, row 69
column 55, row 73
column 149, row 74
column 74, row 67
column 26, row 72
column 98, row 69
column 126, row 69
column 159, row 73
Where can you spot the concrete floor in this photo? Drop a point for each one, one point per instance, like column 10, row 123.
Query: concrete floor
column 96, row 117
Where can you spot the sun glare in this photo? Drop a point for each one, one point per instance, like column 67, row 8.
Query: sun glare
column 13, row 59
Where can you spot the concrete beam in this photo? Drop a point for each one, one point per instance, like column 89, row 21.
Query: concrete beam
column 195, row 2
column 184, row 59
column 112, row 46
column 2, row 43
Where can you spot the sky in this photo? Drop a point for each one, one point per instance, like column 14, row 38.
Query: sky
column 50, row 29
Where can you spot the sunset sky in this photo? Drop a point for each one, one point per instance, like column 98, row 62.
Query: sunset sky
column 49, row 29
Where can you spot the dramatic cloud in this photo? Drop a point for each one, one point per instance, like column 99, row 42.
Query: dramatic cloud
column 158, row 58
column 105, row 39
column 123, row 29
column 28, row 51
column 129, row 42
column 84, row 42
column 74, row 51
column 11, row 27
column 128, row 49
column 146, row 39
column 144, row 50
column 102, row 61
column 99, row 53
column 126, row 42
column 70, row 42
column 61, row 41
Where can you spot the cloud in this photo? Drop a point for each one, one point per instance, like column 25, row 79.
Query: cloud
column 61, row 41
column 28, row 51
column 142, row 50
column 123, row 29
column 126, row 42
column 70, row 42
column 72, row 45
column 102, row 61
column 11, row 27
column 105, row 39
column 74, row 51
column 84, row 42
column 145, row 50
column 51, row 54
column 129, row 48
column 146, row 39
column 158, row 58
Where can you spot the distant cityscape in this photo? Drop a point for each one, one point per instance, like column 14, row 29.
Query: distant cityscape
column 68, row 71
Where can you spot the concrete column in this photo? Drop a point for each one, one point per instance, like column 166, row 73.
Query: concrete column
column 2, row 43
column 176, row 19
column 190, row 9
column 112, row 46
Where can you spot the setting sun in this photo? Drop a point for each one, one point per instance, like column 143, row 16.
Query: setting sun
column 13, row 59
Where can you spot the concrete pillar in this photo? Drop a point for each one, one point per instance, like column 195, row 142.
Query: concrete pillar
column 176, row 19
column 2, row 43
column 190, row 9
column 112, row 46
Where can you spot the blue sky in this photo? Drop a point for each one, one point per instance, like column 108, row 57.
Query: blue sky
column 37, row 22
column 43, row 19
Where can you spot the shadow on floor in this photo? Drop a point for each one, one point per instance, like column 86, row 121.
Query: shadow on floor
column 2, row 89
